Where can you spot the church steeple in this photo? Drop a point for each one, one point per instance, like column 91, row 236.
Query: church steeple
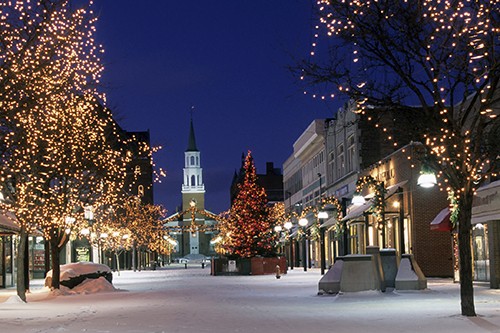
column 193, row 173
column 192, row 140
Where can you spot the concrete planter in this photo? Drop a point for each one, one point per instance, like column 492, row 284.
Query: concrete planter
column 248, row 266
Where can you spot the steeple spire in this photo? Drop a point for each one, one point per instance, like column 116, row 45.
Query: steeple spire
column 192, row 140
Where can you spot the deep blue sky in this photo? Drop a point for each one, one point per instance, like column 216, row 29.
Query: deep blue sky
column 227, row 58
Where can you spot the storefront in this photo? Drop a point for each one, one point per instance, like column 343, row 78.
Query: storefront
column 8, row 229
column 403, row 223
column 486, row 234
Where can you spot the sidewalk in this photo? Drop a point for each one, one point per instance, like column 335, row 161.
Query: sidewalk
column 6, row 293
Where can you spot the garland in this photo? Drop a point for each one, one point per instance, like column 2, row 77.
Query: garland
column 378, row 207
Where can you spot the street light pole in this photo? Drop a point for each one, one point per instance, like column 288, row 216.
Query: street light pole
column 303, row 223
column 401, row 221
column 288, row 226
column 321, row 216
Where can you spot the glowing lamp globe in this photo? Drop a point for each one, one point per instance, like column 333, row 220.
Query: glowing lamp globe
column 322, row 215
column 358, row 200
column 427, row 180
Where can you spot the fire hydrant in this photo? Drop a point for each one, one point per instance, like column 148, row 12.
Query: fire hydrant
column 278, row 273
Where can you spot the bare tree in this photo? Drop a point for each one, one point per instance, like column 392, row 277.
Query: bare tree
column 441, row 56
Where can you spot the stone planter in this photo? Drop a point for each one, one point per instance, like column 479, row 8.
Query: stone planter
column 248, row 266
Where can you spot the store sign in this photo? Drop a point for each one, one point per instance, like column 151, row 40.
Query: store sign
column 486, row 204
column 82, row 254
column 231, row 266
column 385, row 176
column 342, row 191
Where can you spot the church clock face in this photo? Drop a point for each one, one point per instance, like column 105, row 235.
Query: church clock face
column 192, row 203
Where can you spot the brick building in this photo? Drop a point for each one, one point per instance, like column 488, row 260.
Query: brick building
column 271, row 181
column 409, row 210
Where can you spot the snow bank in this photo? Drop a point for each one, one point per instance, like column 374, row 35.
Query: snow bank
column 14, row 300
column 88, row 286
column 71, row 270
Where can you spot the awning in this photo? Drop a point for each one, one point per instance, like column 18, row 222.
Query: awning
column 442, row 221
column 355, row 211
column 330, row 222
column 390, row 190
column 8, row 222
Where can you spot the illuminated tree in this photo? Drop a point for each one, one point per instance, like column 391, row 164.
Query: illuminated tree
column 247, row 230
column 442, row 56
column 56, row 152
column 145, row 225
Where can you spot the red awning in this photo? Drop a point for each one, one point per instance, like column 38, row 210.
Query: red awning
column 442, row 221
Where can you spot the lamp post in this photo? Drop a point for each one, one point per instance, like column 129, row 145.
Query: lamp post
column 303, row 223
column 288, row 225
column 278, row 229
column 322, row 216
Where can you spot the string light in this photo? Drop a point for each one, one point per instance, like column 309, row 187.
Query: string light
column 247, row 228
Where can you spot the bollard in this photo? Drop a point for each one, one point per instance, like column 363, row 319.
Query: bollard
column 278, row 273
column 185, row 265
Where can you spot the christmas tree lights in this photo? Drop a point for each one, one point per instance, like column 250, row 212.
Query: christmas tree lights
column 247, row 229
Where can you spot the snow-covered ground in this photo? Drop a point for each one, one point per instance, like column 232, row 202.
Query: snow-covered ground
column 190, row 300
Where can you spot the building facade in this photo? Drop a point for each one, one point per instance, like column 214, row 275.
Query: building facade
column 353, row 147
column 271, row 181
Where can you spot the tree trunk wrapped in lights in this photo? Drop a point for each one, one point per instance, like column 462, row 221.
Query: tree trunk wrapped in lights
column 441, row 56
column 59, row 146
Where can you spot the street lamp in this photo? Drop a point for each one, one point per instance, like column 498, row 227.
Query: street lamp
column 278, row 229
column 288, row 225
column 303, row 223
column 427, row 180
column 321, row 216
column 358, row 200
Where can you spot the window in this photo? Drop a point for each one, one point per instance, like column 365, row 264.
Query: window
column 192, row 160
column 340, row 161
column 331, row 166
column 351, row 151
column 140, row 190
column 193, row 180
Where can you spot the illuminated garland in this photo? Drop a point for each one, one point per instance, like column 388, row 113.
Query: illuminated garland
column 378, row 207
column 337, row 228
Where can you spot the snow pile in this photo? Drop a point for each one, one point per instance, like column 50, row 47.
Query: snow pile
column 14, row 300
column 91, row 286
column 74, row 274
column 72, row 270
column 88, row 286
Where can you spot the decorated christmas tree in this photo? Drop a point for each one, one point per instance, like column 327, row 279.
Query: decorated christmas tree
column 247, row 230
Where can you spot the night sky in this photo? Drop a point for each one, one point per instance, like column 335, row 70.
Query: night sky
column 229, row 60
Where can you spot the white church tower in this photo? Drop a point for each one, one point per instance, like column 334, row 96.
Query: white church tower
column 193, row 193
column 193, row 173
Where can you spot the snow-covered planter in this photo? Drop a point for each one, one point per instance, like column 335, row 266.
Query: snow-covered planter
column 75, row 273
column 249, row 266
